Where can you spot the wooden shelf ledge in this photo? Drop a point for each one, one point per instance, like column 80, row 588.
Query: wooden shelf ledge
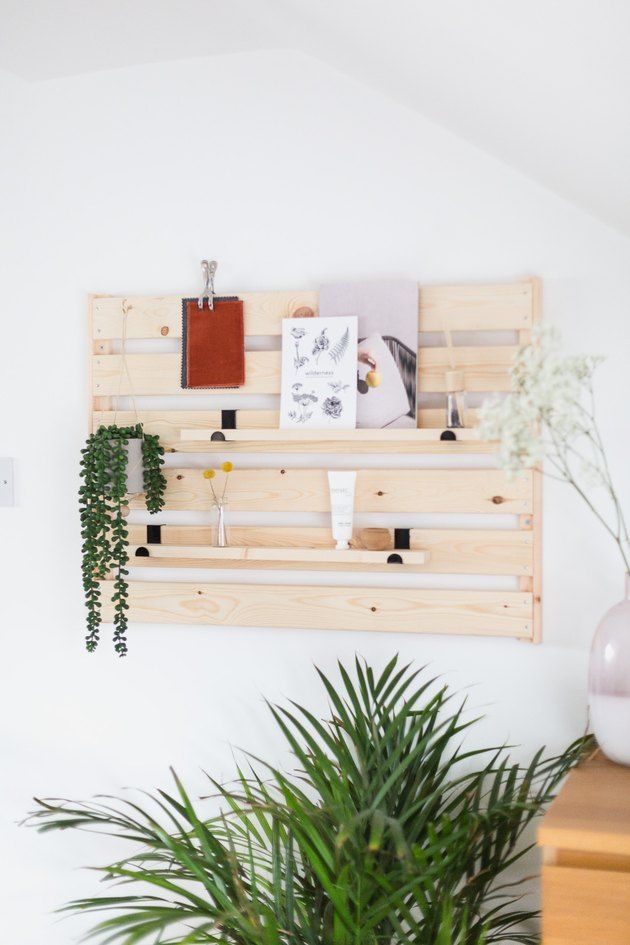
column 377, row 440
column 200, row 556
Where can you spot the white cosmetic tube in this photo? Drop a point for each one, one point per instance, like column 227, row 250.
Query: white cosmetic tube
column 341, row 484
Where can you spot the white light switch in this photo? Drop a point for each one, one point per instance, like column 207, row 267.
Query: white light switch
column 7, row 496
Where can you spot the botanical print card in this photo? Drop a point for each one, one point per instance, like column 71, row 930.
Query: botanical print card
column 388, row 342
column 319, row 373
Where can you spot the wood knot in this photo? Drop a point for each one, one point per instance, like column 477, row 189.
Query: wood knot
column 282, row 472
column 164, row 330
column 498, row 499
column 373, row 609
column 304, row 311
column 180, row 476
column 200, row 592
column 380, row 492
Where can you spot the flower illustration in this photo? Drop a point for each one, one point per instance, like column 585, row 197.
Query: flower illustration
column 299, row 360
column 332, row 407
column 320, row 343
column 304, row 400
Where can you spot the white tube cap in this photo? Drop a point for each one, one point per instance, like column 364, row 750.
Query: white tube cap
column 342, row 545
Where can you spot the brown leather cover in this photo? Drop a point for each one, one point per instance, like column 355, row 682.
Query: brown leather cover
column 215, row 345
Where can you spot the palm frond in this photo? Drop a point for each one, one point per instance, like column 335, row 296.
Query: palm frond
column 388, row 832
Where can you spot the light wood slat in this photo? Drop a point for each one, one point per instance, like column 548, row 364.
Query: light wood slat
column 169, row 424
column 537, row 522
column 487, row 613
column 485, row 368
column 475, row 551
column 378, row 437
column 467, row 308
column 148, row 317
column 160, row 374
column 451, row 550
column 504, row 307
column 262, row 536
column 315, row 559
column 334, row 441
column 394, row 448
column 384, row 490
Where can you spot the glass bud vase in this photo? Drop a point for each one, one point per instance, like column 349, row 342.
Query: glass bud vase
column 219, row 529
column 609, row 681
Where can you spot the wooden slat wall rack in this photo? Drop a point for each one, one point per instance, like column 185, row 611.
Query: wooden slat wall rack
column 511, row 548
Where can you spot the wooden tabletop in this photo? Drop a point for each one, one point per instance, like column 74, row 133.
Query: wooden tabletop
column 592, row 810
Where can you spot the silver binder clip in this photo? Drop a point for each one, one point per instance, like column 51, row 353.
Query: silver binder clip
column 208, row 269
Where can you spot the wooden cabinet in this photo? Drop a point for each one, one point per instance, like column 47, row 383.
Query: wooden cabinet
column 585, row 838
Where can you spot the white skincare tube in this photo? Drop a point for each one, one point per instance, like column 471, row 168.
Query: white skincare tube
column 341, row 484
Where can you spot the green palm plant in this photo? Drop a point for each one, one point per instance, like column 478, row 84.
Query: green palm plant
column 389, row 832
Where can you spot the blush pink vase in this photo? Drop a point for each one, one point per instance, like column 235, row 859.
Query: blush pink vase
column 609, row 681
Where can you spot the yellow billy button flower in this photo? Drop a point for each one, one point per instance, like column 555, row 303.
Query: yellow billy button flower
column 209, row 474
column 227, row 466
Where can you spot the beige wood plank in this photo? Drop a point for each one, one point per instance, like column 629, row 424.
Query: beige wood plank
column 384, row 490
column 451, row 550
column 537, row 522
column 420, row 447
column 485, row 368
column 161, row 316
column 261, row 536
column 333, row 441
column 169, row 424
column 592, row 812
column 186, row 556
column 475, row 551
column 378, row 437
column 467, row 308
column 585, row 906
column 486, row 613
column 160, row 374
column 502, row 307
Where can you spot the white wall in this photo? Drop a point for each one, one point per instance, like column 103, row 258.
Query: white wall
column 289, row 174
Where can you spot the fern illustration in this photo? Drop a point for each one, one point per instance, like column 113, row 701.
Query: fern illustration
column 339, row 349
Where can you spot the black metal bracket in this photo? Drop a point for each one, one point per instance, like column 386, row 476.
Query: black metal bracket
column 218, row 435
column 448, row 435
column 142, row 553
column 228, row 419
column 395, row 559
column 154, row 535
column 401, row 539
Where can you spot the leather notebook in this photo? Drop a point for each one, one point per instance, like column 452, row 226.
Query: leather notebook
column 213, row 343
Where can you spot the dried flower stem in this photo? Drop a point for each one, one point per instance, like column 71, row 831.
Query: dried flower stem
column 550, row 415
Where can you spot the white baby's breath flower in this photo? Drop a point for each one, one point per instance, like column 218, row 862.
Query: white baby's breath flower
column 549, row 415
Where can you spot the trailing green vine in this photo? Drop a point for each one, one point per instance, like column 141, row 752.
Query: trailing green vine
column 103, row 527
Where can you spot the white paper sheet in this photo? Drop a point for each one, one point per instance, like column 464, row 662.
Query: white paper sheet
column 319, row 373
